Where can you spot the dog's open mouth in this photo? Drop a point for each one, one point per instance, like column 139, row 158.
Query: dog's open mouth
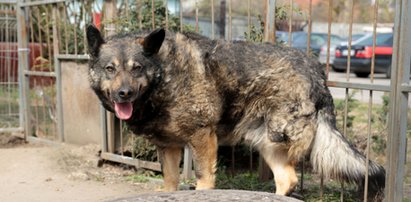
column 123, row 110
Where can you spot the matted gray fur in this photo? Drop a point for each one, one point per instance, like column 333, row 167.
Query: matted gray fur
column 185, row 89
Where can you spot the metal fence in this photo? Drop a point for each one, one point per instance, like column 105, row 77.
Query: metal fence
column 9, row 88
column 50, row 31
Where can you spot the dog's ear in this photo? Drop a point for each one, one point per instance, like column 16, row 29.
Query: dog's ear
column 94, row 40
column 152, row 42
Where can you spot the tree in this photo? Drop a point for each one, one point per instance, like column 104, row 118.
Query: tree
column 139, row 17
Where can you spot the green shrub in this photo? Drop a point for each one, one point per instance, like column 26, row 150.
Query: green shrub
column 135, row 22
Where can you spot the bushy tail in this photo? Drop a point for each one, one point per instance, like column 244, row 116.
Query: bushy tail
column 335, row 157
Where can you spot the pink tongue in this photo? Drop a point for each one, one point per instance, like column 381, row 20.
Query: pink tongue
column 123, row 110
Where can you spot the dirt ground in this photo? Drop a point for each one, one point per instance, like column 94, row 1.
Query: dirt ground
column 32, row 172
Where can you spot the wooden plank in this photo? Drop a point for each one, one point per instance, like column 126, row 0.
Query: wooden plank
column 131, row 161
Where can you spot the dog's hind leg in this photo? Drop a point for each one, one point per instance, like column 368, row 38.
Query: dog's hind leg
column 283, row 169
column 204, row 146
column 170, row 160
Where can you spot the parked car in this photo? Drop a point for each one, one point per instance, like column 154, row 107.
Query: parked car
column 282, row 36
column 361, row 55
column 323, row 53
column 355, row 38
column 317, row 41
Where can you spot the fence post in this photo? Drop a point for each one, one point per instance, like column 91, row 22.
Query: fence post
column 57, row 69
column 23, row 64
column 397, row 124
column 187, row 163
column 269, row 27
column 109, row 29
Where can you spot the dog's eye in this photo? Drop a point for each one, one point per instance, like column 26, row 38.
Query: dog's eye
column 110, row 69
column 136, row 68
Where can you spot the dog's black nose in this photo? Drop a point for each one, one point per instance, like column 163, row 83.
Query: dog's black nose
column 125, row 93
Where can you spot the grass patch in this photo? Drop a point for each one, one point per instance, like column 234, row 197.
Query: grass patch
column 137, row 178
column 243, row 181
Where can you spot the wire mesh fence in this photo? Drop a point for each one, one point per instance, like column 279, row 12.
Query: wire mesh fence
column 9, row 93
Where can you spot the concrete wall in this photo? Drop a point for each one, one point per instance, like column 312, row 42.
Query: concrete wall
column 81, row 108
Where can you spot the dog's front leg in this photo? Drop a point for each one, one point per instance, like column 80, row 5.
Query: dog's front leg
column 204, row 146
column 170, row 161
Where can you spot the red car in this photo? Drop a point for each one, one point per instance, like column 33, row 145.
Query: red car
column 361, row 56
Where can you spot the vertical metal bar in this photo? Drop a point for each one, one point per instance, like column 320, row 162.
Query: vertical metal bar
column 232, row 160
column 196, row 8
column 110, row 12
column 51, row 51
column 58, row 17
column 368, row 145
column 8, row 67
column 127, row 12
column 181, row 16
column 347, row 78
column 84, row 27
column 397, row 125
column 269, row 31
column 249, row 32
column 309, row 28
column 153, row 20
column 374, row 40
column 321, row 185
column 15, row 71
column 188, row 163
column 39, row 31
column 330, row 5
column 75, row 28
column 37, row 123
column 327, row 72
column 308, row 51
column 251, row 159
column 121, row 138
column 290, row 24
column 248, row 17
column 66, row 38
column 103, row 121
column 375, row 19
column 57, row 69
column 350, row 42
column 166, row 5
column 23, row 65
column 48, row 35
column 212, row 20
column 32, row 56
column 139, row 6
column 230, row 20
column 222, row 24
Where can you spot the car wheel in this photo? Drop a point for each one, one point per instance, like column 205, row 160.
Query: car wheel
column 388, row 73
column 362, row 74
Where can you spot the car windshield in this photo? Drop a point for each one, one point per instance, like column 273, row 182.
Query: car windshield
column 316, row 40
column 385, row 39
column 355, row 37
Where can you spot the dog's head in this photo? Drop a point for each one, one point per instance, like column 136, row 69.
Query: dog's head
column 122, row 68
